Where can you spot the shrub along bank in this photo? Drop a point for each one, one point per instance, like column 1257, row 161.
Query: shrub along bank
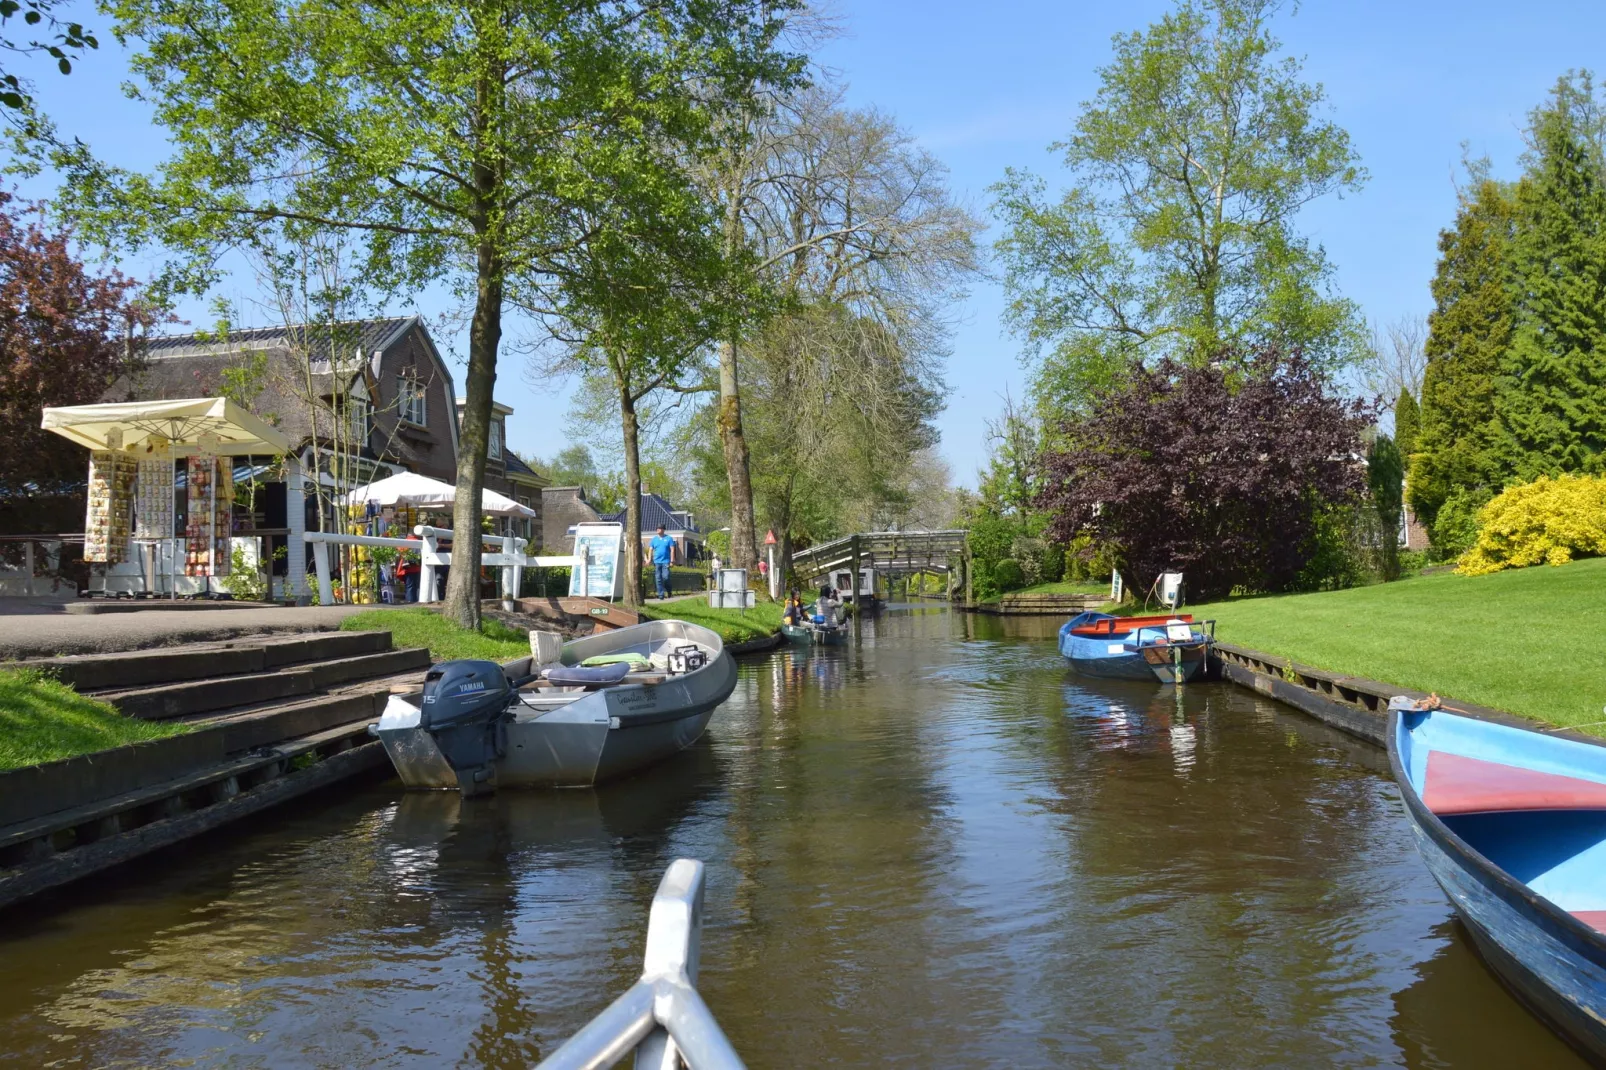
column 1529, row 641
column 44, row 720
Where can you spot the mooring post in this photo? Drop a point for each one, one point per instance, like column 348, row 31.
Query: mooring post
column 858, row 608
column 970, row 589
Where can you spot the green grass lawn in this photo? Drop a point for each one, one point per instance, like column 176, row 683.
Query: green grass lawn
column 44, row 720
column 1530, row 641
column 733, row 625
column 445, row 640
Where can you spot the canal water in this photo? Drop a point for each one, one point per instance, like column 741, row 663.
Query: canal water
column 937, row 847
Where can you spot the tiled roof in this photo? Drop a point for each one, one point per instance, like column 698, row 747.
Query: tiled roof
column 656, row 512
column 516, row 466
column 363, row 336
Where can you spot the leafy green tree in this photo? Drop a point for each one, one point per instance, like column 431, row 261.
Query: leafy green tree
column 465, row 142
column 1407, row 417
column 1177, row 237
column 1385, row 478
column 65, row 40
column 1551, row 402
column 1469, row 331
column 572, row 466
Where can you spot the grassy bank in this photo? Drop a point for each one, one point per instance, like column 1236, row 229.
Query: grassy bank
column 44, row 720
column 1531, row 641
column 1066, row 587
column 733, row 626
column 445, row 640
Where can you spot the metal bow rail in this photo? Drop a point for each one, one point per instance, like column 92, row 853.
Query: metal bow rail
column 661, row 1017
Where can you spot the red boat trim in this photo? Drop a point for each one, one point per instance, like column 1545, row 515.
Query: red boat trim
column 1456, row 784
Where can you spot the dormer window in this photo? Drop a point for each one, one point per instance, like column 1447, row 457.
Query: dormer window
column 411, row 403
column 493, row 447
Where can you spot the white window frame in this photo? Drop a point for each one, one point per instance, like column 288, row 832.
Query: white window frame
column 493, row 441
column 412, row 400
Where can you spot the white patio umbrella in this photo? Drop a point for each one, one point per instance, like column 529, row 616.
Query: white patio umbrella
column 183, row 426
column 410, row 488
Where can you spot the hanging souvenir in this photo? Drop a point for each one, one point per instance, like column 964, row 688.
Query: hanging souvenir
column 199, row 544
column 223, row 518
column 153, row 499
column 111, row 493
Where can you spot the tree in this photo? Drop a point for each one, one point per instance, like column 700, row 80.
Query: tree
column 67, row 40
column 65, row 336
column 1407, row 418
column 1394, row 360
column 1183, row 468
column 1551, row 400
column 1469, row 331
column 827, row 205
column 1177, row 237
column 570, row 466
column 462, row 142
column 1385, row 477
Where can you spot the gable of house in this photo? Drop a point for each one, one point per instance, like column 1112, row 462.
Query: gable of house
column 293, row 365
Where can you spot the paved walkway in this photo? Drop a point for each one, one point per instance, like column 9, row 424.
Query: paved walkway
column 41, row 629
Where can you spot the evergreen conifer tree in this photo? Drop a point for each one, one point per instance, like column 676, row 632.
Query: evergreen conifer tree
column 1551, row 393
column 1469, row 331
column 1406, row 419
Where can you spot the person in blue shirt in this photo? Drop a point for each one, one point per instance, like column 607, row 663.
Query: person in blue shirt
column 663, row 555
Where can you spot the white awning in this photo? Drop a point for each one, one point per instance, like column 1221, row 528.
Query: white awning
column 185, row 426
column 410, row 488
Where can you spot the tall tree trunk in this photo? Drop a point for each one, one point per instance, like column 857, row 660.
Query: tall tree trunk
column 484, row 336
column 744, row 546
column 632, row 548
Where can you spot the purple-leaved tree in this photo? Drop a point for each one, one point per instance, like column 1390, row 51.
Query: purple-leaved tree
column 1218, row 474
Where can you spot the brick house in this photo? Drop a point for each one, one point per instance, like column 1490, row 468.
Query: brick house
column 506, row 473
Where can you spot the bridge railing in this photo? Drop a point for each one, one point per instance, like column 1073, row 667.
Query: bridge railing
column 661, row 1017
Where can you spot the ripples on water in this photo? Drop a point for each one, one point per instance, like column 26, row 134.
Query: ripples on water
column 935, row 847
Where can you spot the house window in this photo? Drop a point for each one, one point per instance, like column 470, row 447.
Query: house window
column 411, row 404
column 361, row 414
column 494, row 447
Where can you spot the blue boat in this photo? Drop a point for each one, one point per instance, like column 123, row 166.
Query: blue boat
column 1171, row 649
column 1512, row 824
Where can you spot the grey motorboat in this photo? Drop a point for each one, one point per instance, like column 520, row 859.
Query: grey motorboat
column 479, row 726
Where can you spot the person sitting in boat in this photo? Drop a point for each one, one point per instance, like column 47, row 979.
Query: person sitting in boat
column 793, row 611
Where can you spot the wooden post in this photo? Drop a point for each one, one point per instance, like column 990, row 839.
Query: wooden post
column 858, row 608
column 970, row 588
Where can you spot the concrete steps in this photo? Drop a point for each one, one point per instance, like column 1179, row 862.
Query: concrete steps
column 274, row 717
column 190, row 697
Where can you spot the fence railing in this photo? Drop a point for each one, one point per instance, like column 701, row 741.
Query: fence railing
column 661, row 1017
column 509, row 556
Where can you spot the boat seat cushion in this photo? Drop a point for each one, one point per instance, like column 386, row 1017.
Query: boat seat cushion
column 1456, row 784
column 634, row 661
column 593, row 676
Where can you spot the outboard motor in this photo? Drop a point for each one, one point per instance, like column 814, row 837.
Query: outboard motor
column 467, row 706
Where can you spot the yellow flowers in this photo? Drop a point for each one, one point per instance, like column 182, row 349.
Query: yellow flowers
column 1549, row 521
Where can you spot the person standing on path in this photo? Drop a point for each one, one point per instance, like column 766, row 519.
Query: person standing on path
column 663, row 555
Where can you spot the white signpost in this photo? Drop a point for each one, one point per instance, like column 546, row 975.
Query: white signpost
column 602, row 577
column 1117, row 588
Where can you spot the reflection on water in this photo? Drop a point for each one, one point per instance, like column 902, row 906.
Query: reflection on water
column 933, row 846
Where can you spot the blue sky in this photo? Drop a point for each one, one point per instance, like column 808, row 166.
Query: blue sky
column 990, row 86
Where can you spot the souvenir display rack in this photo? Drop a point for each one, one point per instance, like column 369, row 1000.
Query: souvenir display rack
column 153, row 499
column 111, row 499
column 211, row 516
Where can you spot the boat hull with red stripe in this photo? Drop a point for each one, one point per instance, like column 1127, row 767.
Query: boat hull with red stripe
column 1512, row 825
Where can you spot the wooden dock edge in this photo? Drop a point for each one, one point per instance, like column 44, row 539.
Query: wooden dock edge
column 225, row 802
column 1355, row 705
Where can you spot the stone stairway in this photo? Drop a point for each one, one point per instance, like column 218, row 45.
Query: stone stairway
column 273, row 718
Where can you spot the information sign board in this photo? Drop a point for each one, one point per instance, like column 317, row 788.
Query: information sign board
column 598, row 545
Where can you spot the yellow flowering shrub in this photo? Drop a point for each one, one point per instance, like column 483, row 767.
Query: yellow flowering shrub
column 1549, row 521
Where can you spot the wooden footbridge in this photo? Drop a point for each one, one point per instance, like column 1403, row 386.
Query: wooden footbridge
column 939, row 552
